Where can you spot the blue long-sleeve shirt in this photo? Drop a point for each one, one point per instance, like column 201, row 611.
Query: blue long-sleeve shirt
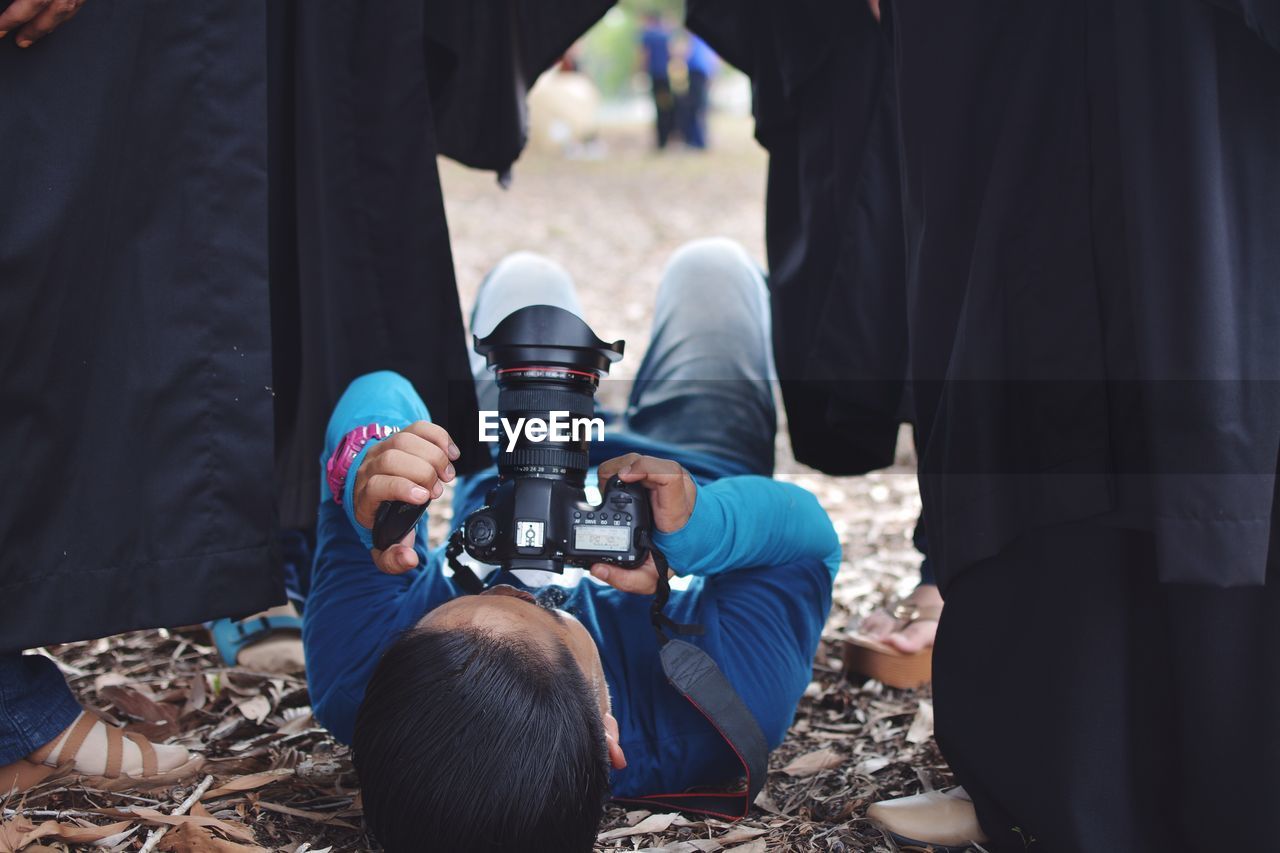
column 761, row 555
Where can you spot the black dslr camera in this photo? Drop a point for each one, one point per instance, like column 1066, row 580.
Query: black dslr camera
column 548, row 365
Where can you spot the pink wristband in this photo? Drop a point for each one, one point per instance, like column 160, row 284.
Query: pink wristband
column 339, row 464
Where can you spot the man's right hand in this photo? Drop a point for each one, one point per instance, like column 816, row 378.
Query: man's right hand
column 37, row 18
column 411, row 466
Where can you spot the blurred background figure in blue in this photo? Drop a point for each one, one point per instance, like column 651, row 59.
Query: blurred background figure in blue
column 700, row 63
column 655, row 45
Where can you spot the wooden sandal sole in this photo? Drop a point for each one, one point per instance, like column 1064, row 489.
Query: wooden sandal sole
column 22, row 776
column 902, row 844
column 873, row 659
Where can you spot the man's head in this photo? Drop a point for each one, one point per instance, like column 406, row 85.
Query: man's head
column 487, row 728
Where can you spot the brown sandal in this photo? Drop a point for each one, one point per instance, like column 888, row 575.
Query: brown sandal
column 874, row 659
column 26, row 773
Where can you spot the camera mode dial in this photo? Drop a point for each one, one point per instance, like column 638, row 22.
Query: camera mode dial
column 481, row 531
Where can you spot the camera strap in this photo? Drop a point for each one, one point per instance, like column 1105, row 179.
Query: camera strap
column 697, row 678
column 462, row 574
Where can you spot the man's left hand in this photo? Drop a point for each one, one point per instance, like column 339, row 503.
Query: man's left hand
column 37, row 18
column 411, row 466
column 672, row 494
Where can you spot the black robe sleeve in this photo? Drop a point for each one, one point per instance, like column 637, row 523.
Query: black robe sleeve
column 824, row 109
column 484, row 58
column 362, row 269
column 365, row 96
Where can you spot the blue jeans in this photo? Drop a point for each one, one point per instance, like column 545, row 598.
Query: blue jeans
column 706, row 381
column 35, row 704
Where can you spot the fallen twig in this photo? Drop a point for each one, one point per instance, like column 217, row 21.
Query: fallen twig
column 156, row 834
column 50, row 814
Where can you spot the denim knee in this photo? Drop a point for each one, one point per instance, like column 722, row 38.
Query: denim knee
column 519, row 280
column 715, row 263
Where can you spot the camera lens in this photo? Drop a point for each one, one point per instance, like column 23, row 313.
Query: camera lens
column 548, row 365
column 535, row 392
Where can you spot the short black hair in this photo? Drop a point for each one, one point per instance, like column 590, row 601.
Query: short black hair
column 473, row 741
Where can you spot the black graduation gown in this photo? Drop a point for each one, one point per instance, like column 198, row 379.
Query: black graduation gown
column 171, row 153
column 362, row 273
column 824, row 108
column 135, row 374
column 484, row 58
column 1091, row 197
column 364, row 98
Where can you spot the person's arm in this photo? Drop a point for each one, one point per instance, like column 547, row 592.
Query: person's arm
column 741, row 522
column 354, row 609
column 767, row 544
column 411, row 465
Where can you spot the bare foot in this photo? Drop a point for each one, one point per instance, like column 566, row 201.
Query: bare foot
column 91, row 757
column 279, row 652
column 911, row 638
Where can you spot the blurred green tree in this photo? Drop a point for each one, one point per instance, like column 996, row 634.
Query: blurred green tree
column 609, row 52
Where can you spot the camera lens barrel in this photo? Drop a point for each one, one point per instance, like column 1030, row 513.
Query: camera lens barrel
column 536, row 391
column 546, row 360
column 532, row 398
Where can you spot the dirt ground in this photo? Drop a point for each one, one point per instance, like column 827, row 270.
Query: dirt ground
column 612, row 219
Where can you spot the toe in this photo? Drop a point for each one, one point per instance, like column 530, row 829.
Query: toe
column 170, row 757
column 876, row 625
column 916, row 637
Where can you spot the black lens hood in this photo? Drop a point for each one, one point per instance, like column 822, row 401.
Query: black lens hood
column 545, row 334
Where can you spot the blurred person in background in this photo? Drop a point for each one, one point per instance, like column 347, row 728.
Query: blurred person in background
column 655, row 49
column 563, row 111
column 700, row 63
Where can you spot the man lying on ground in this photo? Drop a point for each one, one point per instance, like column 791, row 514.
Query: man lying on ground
column 504, row 720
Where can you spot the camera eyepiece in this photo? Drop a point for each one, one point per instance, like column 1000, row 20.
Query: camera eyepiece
column 536, row 378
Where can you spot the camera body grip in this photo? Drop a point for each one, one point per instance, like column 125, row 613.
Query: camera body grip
column 393, row 520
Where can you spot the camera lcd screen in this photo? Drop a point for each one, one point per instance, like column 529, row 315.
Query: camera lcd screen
column 588, row 537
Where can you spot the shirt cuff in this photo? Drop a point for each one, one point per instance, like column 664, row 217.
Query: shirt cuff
column 348, row 492
column 699, row 536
